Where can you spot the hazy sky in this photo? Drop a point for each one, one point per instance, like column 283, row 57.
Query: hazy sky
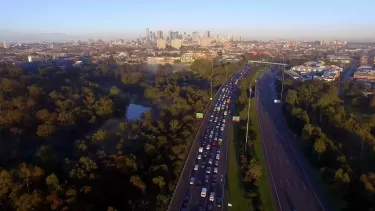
column 31, row 20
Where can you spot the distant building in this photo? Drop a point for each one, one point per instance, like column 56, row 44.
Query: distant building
column 161, row 43
column 159, row 34
column 204, row 42
column 174, row 35
column 5, row 45
column 339, row 59
column 365, row 60
column 33, row 58
column 176, row 43
column 207, row 34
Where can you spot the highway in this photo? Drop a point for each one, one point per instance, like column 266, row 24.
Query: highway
column 188, row 196
column 293, row 188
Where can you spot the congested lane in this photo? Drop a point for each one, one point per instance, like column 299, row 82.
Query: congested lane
column 203, row 184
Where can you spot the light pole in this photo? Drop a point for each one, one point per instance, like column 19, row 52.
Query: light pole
column 282, row 81
column 212, row 70
column 248, row 119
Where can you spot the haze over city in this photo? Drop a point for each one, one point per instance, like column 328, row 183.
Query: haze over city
column 47, row 21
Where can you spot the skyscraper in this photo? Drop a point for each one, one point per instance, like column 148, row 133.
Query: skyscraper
column 207, row 34
column 159, row 34
column 147, row 34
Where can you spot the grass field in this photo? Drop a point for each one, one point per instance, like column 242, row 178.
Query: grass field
column 236, row 194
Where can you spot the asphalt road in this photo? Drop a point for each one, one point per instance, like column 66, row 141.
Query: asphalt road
column 190, row 194
column 290, row 178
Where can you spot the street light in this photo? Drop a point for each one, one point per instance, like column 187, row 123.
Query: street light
column 282, row 82
column 212, row 71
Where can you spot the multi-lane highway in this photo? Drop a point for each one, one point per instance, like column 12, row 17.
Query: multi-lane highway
column 290, row 179
column 202, row 182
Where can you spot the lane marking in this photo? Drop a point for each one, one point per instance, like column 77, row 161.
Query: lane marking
column 265, row 150
column 296, row 185
column 288, row 182
column 304, row 185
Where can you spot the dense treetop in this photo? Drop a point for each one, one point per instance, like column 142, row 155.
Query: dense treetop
column 66, row 146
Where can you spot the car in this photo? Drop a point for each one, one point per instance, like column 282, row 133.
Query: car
column 217, row 156
column 186, row 200
column 199, row 157
column 219, row 202
column 206, row 178
column 210, row 161
column 210, row 207
column 277, row 101
column 208, row 170
column 192, row 180
column 213, row 143
column 218, row 151
column 215, row 170
column 196, row 167
column 200, row 149
column 222, row 128
column 208, row 147
column 216, row 163
column 204, row 192
column 212, row 196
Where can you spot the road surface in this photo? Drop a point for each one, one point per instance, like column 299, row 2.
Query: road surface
column 188, row 196
column 290, row 180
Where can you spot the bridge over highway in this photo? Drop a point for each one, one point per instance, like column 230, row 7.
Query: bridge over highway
column 265, row 62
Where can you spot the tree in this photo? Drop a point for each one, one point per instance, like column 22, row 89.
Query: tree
column 114, row 91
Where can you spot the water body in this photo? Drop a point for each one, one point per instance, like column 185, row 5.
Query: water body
column 135, row 111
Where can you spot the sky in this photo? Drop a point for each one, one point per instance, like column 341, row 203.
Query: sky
column 37, row 20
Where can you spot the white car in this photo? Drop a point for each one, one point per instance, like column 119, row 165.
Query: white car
column 204, row 192
column 208, row 170
column 196, row 167
column 200, row 149
column 212, row 196
column 199, row 157
column 217, row 156
column 192, row 180
column 215, row 170
column 208, row 146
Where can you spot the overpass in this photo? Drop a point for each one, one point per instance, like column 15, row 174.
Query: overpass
column 264, row 62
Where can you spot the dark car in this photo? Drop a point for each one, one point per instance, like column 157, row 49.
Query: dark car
column 210, row 207
column 219, row 202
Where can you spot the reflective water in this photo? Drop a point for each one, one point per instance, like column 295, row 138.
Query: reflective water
column 135, row 111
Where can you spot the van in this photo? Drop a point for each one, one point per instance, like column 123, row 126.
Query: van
column 204, row 192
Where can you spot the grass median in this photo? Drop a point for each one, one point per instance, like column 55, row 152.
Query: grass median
column 264, row 188
column 237, row 195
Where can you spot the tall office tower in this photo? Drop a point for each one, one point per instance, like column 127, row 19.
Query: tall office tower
column 147, row 34
column 207, row 34
column 174, row 35
column 159, row 34
column 170, row 34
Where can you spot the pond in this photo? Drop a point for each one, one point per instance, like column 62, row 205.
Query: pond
column 135, row 111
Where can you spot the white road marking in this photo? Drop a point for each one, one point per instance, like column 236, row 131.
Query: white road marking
column 304, row 185
column 296, row 185
column 288, row 182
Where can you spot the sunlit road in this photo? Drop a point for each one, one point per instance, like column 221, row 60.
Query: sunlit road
column 291, row 184
column 188, row 196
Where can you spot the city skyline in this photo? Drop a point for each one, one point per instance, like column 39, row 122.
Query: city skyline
column 128, row 20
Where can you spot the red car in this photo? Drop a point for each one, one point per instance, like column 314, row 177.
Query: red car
column 213, row 143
